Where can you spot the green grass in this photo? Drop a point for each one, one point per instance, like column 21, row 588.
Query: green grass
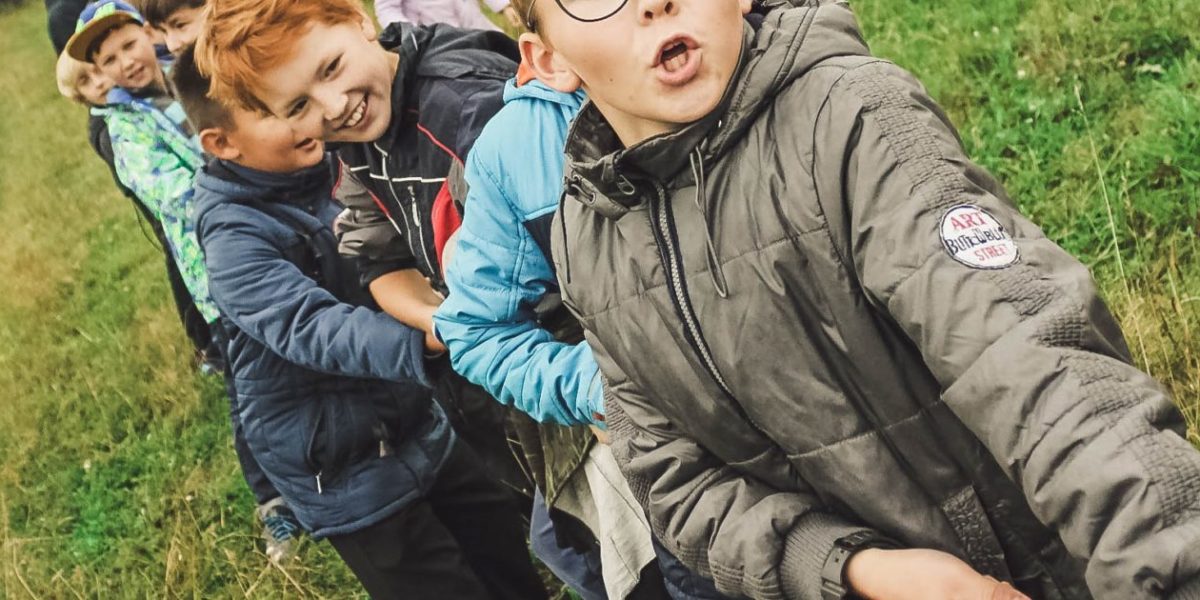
column 117, row 475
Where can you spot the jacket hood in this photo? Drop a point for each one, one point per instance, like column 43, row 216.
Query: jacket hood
column 441, row 51
column 782, row 40
column 223, row 182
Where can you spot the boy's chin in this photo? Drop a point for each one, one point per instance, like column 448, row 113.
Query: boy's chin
column 688, row 110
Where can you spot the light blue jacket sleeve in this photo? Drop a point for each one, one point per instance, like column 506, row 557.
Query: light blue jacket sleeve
column 497, row 276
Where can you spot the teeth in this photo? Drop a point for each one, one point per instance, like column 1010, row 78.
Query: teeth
column 357, row 115
column 675, row 63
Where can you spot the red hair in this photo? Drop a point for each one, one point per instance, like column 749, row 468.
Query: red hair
column 242, row 38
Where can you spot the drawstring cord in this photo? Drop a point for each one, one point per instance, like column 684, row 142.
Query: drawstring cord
column 562, row 221
column 715, row 271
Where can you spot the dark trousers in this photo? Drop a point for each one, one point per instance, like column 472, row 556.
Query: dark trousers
column 681, row 582
column 463, row 540
column 581, row 571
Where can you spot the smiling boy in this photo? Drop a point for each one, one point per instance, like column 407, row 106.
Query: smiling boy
column 403, row 108
column 837, row 359
column 330, row 387
column 154, row 149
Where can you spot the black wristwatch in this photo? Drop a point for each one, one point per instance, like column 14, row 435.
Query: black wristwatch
column 833, row 573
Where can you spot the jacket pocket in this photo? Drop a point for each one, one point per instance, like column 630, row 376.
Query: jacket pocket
column 314, row 446
column 337, row 437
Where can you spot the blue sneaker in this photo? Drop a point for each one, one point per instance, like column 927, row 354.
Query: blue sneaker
column 280, row 530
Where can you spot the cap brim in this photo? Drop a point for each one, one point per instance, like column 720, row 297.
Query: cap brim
column 82, row 41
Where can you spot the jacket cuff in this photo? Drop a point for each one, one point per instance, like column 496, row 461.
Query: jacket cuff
column 805, row 550
column 418, row 353
column 369, row 270
column 596, row 402
column 1190, row 590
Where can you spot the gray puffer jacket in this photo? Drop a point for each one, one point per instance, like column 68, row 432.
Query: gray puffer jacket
column 815, row 315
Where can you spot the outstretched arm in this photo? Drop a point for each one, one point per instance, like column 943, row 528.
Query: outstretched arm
column 1028, row 356
column 497, row 277
column 271, row 300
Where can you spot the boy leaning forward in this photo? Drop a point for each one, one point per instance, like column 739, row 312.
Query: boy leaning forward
column 838, row 360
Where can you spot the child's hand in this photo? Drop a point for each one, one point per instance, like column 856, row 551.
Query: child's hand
column 433, row 346
column 601, row 435
column 920, row 574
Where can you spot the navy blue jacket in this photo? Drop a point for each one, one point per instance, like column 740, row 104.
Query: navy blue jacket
column 332, row 392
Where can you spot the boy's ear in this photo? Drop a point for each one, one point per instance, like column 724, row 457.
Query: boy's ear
column 215, row 142
column 549, row 66
column 368, row 26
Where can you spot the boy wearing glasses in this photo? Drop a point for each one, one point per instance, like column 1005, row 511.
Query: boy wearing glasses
column 838, row 362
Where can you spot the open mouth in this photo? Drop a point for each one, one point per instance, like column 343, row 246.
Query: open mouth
column 307, row 144
column 677, row 61
column 673, row 57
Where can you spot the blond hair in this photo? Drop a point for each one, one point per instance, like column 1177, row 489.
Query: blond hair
column 68, row 72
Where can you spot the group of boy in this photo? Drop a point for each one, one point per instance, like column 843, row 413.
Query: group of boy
column 828, row 356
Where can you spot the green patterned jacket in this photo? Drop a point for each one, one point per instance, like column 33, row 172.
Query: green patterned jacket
column 157, row 157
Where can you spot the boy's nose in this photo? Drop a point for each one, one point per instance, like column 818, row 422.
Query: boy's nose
column 334, row 104
column 648, row 10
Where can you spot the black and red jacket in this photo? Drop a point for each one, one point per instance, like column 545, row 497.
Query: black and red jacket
column 402, row 189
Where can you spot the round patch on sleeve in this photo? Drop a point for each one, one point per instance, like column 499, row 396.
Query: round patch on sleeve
column 975, row 238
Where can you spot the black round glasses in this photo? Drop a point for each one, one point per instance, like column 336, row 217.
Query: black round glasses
column 587, row 11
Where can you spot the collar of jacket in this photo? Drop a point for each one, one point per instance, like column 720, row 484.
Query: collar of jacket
column 407, row 41
column 792, row 36
column 300, row 188
column 609, row 178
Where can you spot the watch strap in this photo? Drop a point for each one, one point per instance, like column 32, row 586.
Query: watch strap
column 833, row 572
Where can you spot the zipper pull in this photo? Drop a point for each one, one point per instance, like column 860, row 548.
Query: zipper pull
column 319, row 490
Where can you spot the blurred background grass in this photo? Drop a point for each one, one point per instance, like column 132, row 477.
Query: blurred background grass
column 117, row 474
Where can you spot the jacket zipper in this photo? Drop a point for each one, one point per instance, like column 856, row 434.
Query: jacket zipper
column 661, row 220
column 412, row 194
column 310, row 447
column 403, row 213
column 660, row 223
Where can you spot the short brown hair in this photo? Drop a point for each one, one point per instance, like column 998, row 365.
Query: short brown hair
column 192, row 90
column 157, row 12
column 241, row 38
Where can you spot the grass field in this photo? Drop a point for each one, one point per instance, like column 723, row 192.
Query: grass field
column 117, row 475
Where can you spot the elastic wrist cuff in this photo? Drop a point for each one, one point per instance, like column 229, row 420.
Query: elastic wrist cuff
column 805, row 550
